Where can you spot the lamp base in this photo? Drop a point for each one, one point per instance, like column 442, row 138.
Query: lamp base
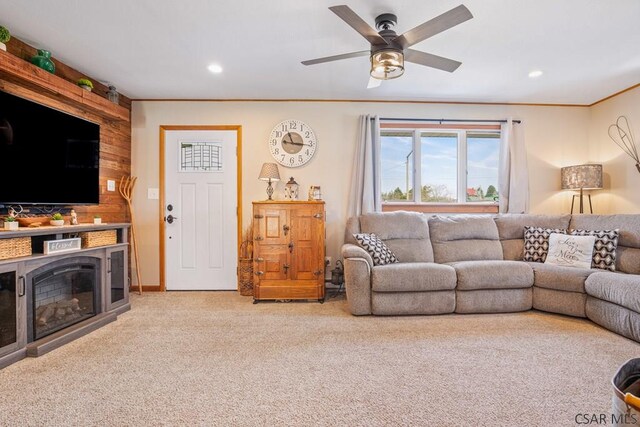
column 573, row 199
column 269, row 191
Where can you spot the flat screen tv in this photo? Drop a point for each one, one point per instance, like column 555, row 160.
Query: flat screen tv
column 47, row 157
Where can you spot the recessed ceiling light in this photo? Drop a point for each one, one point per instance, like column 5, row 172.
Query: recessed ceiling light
column 535, row 73
column 215, row 68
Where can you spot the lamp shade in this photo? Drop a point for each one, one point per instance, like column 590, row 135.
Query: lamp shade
column 269, row 172
column 586, row 177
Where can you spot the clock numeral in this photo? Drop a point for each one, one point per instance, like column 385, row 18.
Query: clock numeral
column 301, row 127
column 300, row 158
column 282, row 157
column 311, row 144
column 291, row 160
column 274, row 142
column 278, row 134
column 284, row 127
column 293, row 125
column 306, row 152
column 307, row 134
column 276, row 151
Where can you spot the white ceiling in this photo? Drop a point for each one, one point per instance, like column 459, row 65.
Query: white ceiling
column 160, row 49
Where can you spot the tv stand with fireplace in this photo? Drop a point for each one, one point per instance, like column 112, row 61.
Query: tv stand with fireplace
column 48, row 300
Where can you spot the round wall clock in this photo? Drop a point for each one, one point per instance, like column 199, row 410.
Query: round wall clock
column 292, row 143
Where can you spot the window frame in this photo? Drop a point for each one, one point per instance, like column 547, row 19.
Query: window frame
column 460, row 206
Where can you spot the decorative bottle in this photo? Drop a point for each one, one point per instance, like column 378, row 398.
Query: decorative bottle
column 112, row 94
column 43, row 60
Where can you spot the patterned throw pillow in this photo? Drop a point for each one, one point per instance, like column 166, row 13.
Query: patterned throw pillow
column 604, row 251
column 379, row 252
column 536, row 242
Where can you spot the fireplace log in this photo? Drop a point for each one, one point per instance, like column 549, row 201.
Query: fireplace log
column 59, row 310
column 46, row 315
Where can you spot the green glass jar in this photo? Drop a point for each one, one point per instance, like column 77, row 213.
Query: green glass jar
column 43, row 60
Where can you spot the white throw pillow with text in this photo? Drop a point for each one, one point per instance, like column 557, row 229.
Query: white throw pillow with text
column 570, row 251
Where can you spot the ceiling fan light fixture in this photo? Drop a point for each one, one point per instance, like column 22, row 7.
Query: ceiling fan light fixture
column 387, row 64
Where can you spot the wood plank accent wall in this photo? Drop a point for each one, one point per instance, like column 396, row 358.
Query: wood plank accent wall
column 24, row 79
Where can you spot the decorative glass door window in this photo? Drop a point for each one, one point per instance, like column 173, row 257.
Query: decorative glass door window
column 200, row 157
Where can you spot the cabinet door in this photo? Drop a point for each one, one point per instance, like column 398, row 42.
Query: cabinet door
column 270, row 225
column 271, row 262
column 12, row 309
column 307, row 237
column 117, row 286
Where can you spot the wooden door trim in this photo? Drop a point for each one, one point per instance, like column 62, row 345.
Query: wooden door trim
column 163, row 129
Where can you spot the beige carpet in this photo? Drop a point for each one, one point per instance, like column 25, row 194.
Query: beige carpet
column 215, row 359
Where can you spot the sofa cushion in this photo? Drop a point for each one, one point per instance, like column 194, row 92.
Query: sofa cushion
column 464, row 238
column 493, row 274
column 511, row 230
column 604, row 250
column 405, row 233
column 618, row 288
column 536, row 242
column 379, row 252
column 511, row 226
column 559, row 278
column 413, row 277
column 628, row 251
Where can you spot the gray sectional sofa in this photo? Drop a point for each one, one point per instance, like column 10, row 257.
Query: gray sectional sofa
column 474, row 264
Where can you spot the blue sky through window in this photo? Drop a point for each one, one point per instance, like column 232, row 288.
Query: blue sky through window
column 439, row 162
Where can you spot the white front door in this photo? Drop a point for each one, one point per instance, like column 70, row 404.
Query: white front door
column 200, row 198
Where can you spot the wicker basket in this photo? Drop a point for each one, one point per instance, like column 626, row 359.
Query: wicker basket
column 15, row 247
column 91, row 239
column 245, row 276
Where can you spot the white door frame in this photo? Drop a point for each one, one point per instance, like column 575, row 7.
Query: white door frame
column 163, row 129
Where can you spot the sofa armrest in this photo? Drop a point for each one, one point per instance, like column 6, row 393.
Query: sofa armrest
column 354, row 251
column 357, row 279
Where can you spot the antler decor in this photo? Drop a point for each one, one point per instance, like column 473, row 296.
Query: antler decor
column 126, row 191
column 620, row 133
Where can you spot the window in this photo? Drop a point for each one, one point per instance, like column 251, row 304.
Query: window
column 455, row 166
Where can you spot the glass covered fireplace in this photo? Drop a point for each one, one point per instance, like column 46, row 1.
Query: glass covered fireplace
column 62, row 294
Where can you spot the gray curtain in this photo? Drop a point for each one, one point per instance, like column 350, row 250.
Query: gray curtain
column 365, row 196
column 513, row 173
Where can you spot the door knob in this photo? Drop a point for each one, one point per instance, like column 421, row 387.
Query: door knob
column 286, row 229
column 170, row 218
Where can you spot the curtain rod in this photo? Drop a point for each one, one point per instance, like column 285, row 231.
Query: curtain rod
column 446, row 120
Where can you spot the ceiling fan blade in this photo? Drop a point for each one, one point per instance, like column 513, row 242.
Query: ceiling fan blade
column 337, row 57
column 429, row 60
column 358, row 24
column 449, row 19
column 373, row 83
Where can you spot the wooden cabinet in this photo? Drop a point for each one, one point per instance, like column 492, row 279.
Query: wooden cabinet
column 117, row 283
column 12, row 307
column 288, row 251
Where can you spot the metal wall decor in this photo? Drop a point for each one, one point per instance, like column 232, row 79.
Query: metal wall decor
column 620, row 133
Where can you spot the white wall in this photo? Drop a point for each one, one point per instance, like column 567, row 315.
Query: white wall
column 555, row 137
column 622, row 180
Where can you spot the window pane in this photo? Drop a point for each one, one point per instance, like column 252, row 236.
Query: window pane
column 397, row 166
column 482, row 167
column 439, row 167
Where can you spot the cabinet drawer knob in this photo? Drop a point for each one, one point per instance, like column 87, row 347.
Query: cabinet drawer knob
column 259, row 273
column 258, row 237
column 318, row 215
column 259, row 259
column 258, row 216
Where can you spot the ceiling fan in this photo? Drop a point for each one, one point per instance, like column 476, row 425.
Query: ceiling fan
column 389, row 51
